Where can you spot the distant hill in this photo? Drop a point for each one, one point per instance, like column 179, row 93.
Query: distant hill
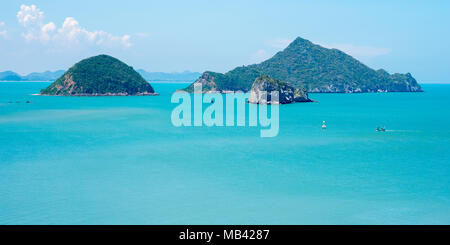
column 10, row 76
column 43, row 76
column 100, row 75
column 185, row 76
column 315, row 68
column 35, row 76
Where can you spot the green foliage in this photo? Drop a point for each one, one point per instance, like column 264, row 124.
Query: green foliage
column 101, row 74
column 318, row 69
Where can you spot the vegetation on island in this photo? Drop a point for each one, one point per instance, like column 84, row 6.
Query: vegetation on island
column 315, row 68
column 100, row 75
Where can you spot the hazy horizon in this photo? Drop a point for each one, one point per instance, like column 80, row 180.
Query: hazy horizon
column 176, row 36
column 136, row 68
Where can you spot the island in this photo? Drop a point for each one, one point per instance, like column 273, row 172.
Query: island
column 10, row 76
column 261, row 90
column 313, row 67
column 100, row 75
column 34, row 76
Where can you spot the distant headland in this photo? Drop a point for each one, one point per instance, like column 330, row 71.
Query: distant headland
column 34, row 76
column 314, row 68
column 100, row 75
column 181, row 77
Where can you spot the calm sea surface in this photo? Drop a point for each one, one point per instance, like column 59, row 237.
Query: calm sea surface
column 119, row 160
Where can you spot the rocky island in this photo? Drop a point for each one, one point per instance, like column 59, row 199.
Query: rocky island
column 260, row 93
column 317, row 69
column 100, row 75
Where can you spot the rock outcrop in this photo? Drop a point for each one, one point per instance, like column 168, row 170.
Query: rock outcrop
column 261, row 90
column 207, row 82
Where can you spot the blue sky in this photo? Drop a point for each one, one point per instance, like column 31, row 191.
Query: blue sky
column 400, row 36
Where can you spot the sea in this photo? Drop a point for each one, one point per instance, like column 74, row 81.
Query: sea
column 120, row 160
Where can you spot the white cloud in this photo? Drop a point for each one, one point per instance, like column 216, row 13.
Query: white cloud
column 359, row 52
column 259, row 56
column 142, row 34
column 2, row 31
column 47, row 30
column 280, row 43
column 30, row 15
column 68, row 34
column 49, row 27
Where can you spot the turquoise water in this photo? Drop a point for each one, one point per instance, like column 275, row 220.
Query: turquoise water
column 119, row 160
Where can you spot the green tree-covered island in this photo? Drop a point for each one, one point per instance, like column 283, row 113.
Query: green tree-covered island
column 314, row 68
column 100, row 75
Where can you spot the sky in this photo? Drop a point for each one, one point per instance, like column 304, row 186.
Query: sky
column 174, row 36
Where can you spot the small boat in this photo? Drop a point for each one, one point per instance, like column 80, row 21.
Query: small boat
column 323, row 125
column 380, row 129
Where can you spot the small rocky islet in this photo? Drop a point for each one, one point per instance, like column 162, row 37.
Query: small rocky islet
column 263, row 86
column 100, row 75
